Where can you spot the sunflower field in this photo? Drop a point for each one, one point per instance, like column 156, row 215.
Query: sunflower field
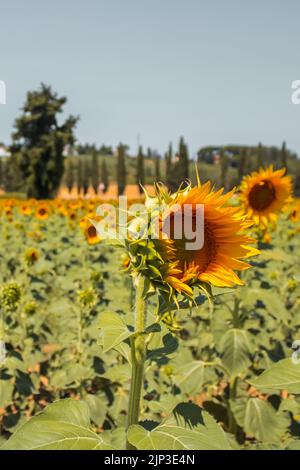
column 149, row 345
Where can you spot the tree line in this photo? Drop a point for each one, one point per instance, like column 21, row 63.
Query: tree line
column 41, row 147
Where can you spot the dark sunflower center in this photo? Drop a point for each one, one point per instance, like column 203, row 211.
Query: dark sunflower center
column 200, row 258
column 262, row 195
column 92, row 232
column 42, row 211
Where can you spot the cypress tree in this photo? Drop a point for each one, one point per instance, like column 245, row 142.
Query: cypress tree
column 283, row 156
column 95, row 172
column 85, row 176
column 242, row 162
column 183, row 161
column 140, row 170
column 121, row 169
column 79, row 176
column 224, row 167
column 157, row 168
column 260, row 156
column 168, row 161
column 104, row 176
column 69, row 175
column 1, row 173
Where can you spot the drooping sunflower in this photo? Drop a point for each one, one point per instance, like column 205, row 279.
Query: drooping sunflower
column 225, row 242
column 264, row 194
column 173, row 266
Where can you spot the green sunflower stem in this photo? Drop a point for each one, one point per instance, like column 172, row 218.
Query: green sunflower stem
column 138, row 356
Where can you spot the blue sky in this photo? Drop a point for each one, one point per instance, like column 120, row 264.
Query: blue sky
column 216, row 72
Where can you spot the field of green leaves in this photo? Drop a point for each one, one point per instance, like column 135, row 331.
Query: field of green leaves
column 219, row 375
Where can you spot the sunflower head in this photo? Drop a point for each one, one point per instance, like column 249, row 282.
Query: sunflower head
column 10, row 295
column 294, row 213
column 174, row 262
column 25, row 209
column 265, row 194
column 87, row 297
column 42, row 211
column 91, row 234
column 31, row 256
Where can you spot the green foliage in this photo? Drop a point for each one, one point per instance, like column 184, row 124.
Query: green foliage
column 219, row 374
column 180, row 432
column 39, row 141
column 283, row 375
column 64, row 425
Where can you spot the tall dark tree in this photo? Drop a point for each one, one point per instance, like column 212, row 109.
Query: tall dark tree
column 183, row 161
column 242, row 163
column 86, row 175
column 140, row 169
column 283, row 156
column 1, row 173
column 178, row 171
column 168, row 164
column 121, row 169
column 157, row 168
column 104, row 176
column 39, row 142
column 260, row 153
column 69, row 175
column 95, row 172
column 224, row 162
column 79, row 175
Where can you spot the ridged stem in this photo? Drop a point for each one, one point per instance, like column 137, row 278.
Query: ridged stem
column 138, row 355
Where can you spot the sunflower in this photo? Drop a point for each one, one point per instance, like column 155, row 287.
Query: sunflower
column 42, row 211
column 91, row 234
column 173, row 266
column 25, row 209
column 31, row 256
column 225, row 242
column 264, row 194
column 294, row 214
column 72, row 215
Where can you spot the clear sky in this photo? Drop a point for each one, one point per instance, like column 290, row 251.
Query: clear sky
column 215, row 71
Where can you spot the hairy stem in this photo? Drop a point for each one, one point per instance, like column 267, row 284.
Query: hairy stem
column 138, row 355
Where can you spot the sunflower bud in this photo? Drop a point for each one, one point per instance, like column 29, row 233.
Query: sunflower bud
column 10, row 295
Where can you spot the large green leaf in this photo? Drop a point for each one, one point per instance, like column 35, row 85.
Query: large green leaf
column 274, row 305
column 189, row 377
column 181, row 434
column 113, row 330
column 98, row 407
column 259, row 419
column 284, row 375
column 235, row 351
column 6, row 391
column 63, row 425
